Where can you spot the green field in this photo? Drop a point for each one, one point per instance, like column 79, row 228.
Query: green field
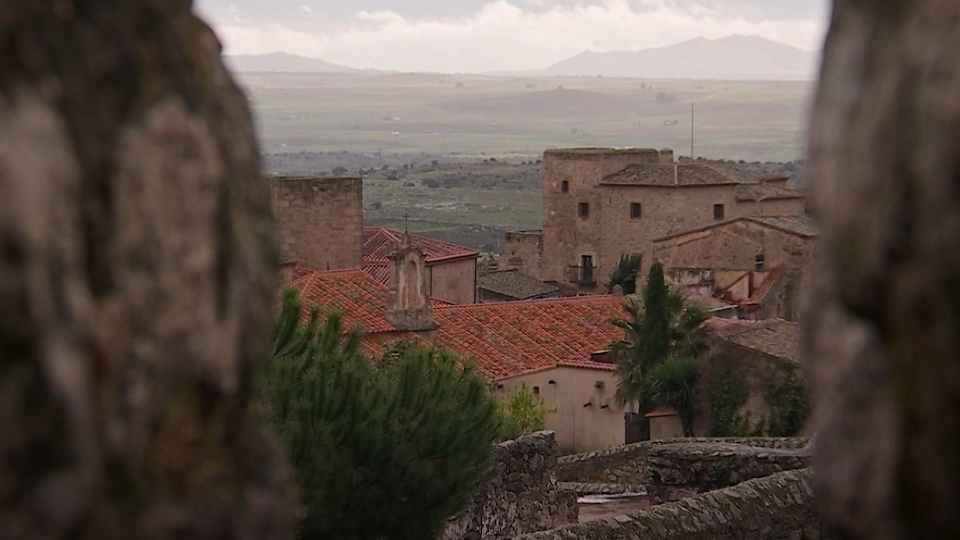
column 503, row 116
column 403, row 132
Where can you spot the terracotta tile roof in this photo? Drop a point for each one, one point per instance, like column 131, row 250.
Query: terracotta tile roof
column 379, row 272
column 506, row 339
column 380, row 243
column 799, row 225
column 361, row 299
column 775, row 337
column 513, row 284
column 661, row 411
column 766, row 191
column 511, row 338
column 796, row 225
column 677, row 174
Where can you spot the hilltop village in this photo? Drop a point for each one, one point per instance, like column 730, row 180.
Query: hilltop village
column 738, row 244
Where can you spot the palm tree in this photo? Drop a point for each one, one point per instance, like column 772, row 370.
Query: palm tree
column 664, row 338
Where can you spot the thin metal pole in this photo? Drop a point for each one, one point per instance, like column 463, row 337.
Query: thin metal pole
column 691, row 130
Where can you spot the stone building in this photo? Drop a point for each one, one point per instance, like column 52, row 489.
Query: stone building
column 451, row 270
column 549, row 345
column 319, row 220
column 601, row 203
column 761, row 264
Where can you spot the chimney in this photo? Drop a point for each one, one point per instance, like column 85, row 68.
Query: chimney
column 408, row 300
column 287, row 264
column 666, row 156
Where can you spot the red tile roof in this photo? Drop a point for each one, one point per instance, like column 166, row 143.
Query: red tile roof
column 379, row 272
column 361, row 299
column 506, row 339
column 380, row 243
column 512, row 338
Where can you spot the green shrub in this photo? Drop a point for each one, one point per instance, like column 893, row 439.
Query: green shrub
column 788, row 402
column 726, row 394
column 522, row 412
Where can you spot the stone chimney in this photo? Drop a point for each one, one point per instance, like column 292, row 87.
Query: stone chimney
column 408, row 300
column 666, row 156
column 287, row 266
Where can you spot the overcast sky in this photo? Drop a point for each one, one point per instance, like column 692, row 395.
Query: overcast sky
column 490, row 35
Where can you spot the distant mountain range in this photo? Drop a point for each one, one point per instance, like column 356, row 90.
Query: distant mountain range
column 283, row 62
column 729, row 58
column 733, row 57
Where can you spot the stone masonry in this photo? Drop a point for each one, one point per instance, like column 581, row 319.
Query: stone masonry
column 519, row 496
column 602, row 203
column 781, row 506
column 319, row 220
column 628, row 464
column 678, row 471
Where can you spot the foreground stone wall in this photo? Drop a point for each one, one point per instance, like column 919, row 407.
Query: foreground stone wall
column 678, row 471
column 628, row 464
column 777, row 507
column 519, row 496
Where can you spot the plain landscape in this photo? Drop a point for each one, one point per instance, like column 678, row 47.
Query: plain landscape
column 455, row 156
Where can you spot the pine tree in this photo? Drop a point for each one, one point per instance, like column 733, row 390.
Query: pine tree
column 384, row 448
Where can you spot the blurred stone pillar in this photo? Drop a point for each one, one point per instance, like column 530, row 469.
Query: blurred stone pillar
column 137, row 273
column 883, row 324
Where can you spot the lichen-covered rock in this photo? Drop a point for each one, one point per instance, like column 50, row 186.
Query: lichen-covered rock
column 777, row 507
column 628, row 464
column 519, row 495
column 681, row 470
column 136, row 275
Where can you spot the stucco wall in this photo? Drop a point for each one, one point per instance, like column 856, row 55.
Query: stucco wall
column 578, row 428
column 454, row 281
column 319, row 220
column 519, row 495
column 781, row 506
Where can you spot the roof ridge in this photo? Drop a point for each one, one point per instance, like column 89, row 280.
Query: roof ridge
column 559, row 299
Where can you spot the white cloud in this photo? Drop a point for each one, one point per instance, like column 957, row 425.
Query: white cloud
column 502, row 35
column 307, row 9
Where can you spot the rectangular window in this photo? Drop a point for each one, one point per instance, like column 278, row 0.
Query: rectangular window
column 635, row 210
column 718, row 211
column 564, row 186
column 586, row 269
column 583, row 210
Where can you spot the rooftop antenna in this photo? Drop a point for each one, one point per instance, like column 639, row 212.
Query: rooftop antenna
column 406, row 217
column 691, row 130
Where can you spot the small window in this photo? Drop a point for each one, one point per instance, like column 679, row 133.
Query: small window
column 536, row 390
column 564, row 186
column 718, row 211
column 635, row 210
column 758, row 260
column 586, row 270
column 583, row 210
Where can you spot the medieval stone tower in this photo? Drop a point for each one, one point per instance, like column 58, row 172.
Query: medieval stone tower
column 319, row 220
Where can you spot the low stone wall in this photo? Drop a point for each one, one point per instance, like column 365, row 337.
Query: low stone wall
column 603, row 489
column 777, row 507
column 678, row 471
column 628, row 464
column 520, row 495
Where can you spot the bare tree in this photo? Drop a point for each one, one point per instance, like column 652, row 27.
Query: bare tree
column 136, row 277
column 884, row 327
